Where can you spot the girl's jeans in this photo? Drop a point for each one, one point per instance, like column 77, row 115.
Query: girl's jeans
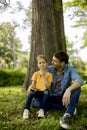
column 43, row 95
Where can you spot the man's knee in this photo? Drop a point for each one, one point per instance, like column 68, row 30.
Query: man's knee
column 76, row 92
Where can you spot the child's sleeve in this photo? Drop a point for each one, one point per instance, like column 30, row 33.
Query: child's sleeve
column 34, row 77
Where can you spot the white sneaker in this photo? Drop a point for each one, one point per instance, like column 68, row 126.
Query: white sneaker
column 41, row 113
column 26, row 114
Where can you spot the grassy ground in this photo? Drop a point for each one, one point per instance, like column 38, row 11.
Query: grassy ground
column 12, row 100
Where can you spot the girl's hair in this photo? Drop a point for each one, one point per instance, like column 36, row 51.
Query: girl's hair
column 62, row 56
column 41, row 56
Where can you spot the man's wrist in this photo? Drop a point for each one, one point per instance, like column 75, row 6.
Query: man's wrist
column 69, row 89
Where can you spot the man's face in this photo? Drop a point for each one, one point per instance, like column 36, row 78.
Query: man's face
column 56, row 63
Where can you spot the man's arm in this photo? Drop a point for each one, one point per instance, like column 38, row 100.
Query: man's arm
column 67, row 94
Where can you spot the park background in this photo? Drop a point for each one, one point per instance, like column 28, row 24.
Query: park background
column 15, row 39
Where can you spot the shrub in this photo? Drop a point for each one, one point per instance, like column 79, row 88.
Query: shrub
column 11, row 78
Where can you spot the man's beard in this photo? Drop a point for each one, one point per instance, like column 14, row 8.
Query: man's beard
column 57, row 67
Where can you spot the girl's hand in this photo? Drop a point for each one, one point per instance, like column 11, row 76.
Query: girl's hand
column 42, row 72
column 29, row 89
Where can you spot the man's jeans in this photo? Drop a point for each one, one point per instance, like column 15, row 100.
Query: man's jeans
column 55, row 102
column 42, row 95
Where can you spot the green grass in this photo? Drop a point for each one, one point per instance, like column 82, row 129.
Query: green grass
column 12, row 101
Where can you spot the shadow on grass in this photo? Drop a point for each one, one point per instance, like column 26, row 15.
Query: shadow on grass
column 11, row 108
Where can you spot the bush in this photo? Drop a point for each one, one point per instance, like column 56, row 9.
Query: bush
column 83, row 75
column 11, row 78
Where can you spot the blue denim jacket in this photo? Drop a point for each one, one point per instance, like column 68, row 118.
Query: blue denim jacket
column 68, row 76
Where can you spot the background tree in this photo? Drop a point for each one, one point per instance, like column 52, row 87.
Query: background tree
column 4, row 4
column 79, row 13
column 47, row 32
column 74, row 58
column 12, row 53
column 9, row 44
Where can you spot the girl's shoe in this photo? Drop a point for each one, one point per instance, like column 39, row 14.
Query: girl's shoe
column 41, row 113
column 26, row 114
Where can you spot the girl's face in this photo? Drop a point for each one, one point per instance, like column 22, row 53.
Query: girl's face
column 42, row 64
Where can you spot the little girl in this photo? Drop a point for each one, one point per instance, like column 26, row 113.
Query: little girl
column 41, row 82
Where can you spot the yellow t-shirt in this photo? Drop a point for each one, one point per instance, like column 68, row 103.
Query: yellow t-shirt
column 40, row 85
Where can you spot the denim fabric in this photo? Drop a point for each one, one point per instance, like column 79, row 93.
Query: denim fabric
column 69, row 74
column 55, row 99
column 36, row 102
column 74, row 101
column 49, row 105
column 55, row 102
column 42, row 95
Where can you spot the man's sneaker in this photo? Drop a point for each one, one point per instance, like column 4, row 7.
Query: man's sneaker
column 26, row 114
column 41, row 113
column 65, row 121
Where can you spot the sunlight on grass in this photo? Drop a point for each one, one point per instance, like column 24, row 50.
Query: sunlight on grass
column 12, row 101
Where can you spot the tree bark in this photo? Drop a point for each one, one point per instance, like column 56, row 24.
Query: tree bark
column 47, row 32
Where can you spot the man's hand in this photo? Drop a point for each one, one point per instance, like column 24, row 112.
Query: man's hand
column 67, row 94
column 66, row 97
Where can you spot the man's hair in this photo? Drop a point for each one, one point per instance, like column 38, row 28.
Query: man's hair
column 62, row 56
column 42, row 57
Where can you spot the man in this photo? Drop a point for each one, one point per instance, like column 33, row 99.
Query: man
column 66, row 87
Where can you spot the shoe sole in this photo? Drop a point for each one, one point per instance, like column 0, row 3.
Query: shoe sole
column 40, row 116
column 25, row 118
column 63, row 126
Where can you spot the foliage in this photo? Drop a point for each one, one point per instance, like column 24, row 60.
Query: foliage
column 74, row 59
column 79, row 9
column 57, row 5
column 83, row 75
column 11, row 77
column 12, row 101
column 85, row 40
column 4, row 4
column 9, row 43
column 78, row 12
column 11, row 54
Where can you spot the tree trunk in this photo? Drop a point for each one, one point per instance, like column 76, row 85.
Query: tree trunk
column 47, row 32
